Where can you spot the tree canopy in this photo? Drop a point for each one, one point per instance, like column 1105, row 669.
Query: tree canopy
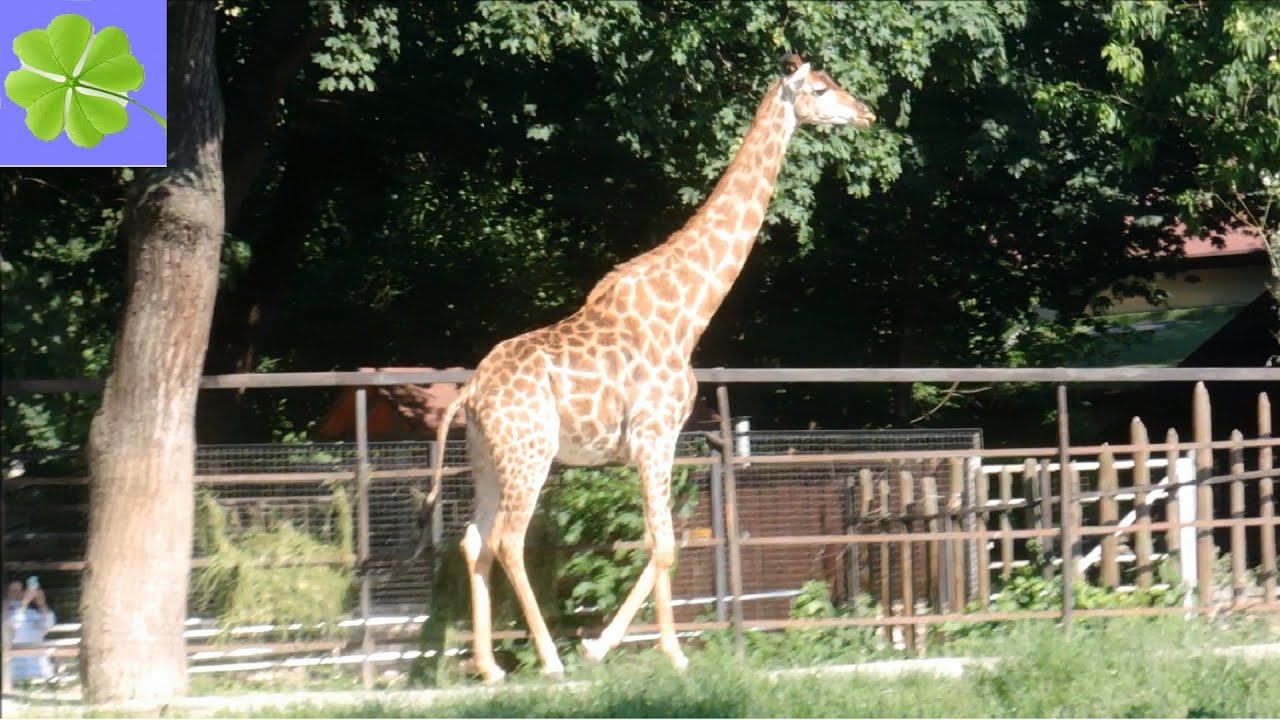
column 409, row 183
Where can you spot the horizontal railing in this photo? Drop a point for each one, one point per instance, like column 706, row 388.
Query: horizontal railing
column 719, row 375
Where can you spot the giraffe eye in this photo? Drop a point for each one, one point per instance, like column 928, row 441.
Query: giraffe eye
column 820, row 90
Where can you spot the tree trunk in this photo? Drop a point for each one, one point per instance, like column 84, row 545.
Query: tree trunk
column 141, row 442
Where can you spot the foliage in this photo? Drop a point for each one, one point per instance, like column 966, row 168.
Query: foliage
column 1027, row 588
column 62, row 279
column 598, row 506
column 267, row 571
column 1032, row 160
column 1199, row 81
column 594, row 507
column 803, row 647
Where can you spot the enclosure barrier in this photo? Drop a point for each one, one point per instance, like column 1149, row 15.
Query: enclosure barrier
column 928, row 519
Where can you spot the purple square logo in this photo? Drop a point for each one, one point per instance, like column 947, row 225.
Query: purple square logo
column 84, row 83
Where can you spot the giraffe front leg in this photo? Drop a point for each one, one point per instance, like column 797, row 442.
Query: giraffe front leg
column 655, row 480
column 664, row 554
column 595, row 650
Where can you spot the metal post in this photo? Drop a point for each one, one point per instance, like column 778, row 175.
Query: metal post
column 731, row 519
column 717, row 532
column 362, row 530
column 852, row 571
column 1067, row 510
column 437, row 510
column 969, row 521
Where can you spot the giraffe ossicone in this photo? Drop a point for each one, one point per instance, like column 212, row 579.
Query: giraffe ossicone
column 613, row 383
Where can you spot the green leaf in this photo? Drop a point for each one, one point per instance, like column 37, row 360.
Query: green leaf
column 66, row 57
column 44, row 117
column 25, row 88
column 57, row 48
column 89, row 118
column 109, row 64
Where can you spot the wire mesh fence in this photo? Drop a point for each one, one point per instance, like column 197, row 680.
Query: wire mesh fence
column 909, row 517
column 264, row 485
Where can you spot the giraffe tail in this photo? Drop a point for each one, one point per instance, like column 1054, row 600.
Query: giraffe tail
column 442, row 431
column 426, row 503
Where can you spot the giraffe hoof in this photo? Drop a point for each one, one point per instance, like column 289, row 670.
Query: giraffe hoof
column 680, row 661
column 493, row 676
column 553, row 673
column 593, row 650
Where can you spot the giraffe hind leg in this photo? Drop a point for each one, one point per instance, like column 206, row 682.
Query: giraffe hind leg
column 510, row 551
column 477, row 549
column 511, row 486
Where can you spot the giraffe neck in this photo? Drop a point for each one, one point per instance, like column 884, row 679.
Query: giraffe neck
column 671, row 291
column 713, row 246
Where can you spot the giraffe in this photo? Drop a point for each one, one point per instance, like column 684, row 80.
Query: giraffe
column 613, row 382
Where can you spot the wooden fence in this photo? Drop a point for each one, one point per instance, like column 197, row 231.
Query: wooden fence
column 917, row 529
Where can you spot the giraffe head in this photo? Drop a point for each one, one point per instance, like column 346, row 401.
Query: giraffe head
column 818, row 100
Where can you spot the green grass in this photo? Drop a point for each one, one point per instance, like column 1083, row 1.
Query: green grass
column 1118, row 668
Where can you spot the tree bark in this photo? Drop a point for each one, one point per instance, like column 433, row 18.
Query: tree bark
column 141, row 442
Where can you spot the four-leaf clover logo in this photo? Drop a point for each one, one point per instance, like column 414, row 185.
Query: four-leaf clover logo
column 75, row 79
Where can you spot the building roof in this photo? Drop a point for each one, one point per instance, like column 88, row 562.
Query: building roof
column 1234, row 241
column 395, row 412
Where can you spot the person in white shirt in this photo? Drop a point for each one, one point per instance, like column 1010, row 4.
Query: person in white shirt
column 29, row 618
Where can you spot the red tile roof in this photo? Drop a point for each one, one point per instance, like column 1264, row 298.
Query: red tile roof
column 1236, row 241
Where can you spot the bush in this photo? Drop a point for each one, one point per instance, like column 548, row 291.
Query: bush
column 263, row 574
column 810, row 646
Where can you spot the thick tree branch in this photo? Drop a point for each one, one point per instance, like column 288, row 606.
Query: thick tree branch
column 284, row 42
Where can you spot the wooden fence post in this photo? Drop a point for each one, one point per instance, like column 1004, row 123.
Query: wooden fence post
column 1031, row 492
column 983, row 492
column 1142, row 546
column 935, row 563
column 1266, row 501
column 866, row 494
column 1006, row 526
column 1108, row 514
column 1067, row 510
column 1237, row 514
column 886, row 588
column 1046, row 514
column 1173, row 511
column 907, row 500
column 959, row 593
column 1204, row 496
